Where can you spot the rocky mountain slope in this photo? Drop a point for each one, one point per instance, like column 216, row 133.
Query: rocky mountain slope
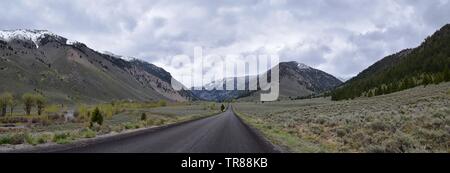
column 68, row 71
column 296, row 80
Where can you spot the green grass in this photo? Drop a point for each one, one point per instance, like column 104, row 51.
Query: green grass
column 12, row 138
column 62, row 137
column 122, row 116
column 417, row 120
column 35, row 139
column 87, row 133
column 285, row 139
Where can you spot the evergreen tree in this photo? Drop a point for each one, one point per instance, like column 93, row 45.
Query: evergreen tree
column 446, row 74
column 426, row 80
column 96, row 117
column 143, row 117
column 370, row 93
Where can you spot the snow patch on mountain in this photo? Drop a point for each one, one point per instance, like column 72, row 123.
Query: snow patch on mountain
column 344, row 79
column 24, row 34
column 111, row 54
column 303, row 66
column 72, row 42
column 126, row 58
column 36, row 36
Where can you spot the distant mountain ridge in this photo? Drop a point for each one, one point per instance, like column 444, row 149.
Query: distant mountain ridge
column 69, row 71
column 296, row 80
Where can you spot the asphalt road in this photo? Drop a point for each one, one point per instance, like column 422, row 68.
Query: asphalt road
column 223, row 133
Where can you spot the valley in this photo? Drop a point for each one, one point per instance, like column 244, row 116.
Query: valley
column 58, row 92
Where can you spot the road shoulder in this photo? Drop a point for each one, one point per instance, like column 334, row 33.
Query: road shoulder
column 55, row 148
column 259, row 134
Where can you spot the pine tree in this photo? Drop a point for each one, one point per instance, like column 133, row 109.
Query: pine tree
column 377, row 92
column 438, row 78
column 410, row 82
column 143, row 117
column 370, row 93
column 426, row 80
column 446, row 74
column 97, row 117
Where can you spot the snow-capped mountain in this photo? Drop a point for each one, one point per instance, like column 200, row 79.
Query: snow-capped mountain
column 39, row 37
column 297, row 75
column 126, row 58
column 218, row 91
column 296, row 80
column 72, row 42
column 35, row 36
column 303, row 66
column 69, row 71
column 344, row 79
column 221, row 84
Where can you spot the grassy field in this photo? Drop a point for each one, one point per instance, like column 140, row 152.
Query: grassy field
column 55, row 127
column 414, row 120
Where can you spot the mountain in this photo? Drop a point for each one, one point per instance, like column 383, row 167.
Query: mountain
column 343, row 79
column 295, row 75
column 426, row 64
column 296, row 80
column 210, row 94
column 69, row 71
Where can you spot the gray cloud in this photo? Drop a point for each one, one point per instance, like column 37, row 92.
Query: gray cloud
column 311, row 54
column 340, row 37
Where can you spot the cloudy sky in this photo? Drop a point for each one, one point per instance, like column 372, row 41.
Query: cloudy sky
column 340, row 37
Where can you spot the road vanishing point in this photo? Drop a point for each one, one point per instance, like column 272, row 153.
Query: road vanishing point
column 222, row 133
